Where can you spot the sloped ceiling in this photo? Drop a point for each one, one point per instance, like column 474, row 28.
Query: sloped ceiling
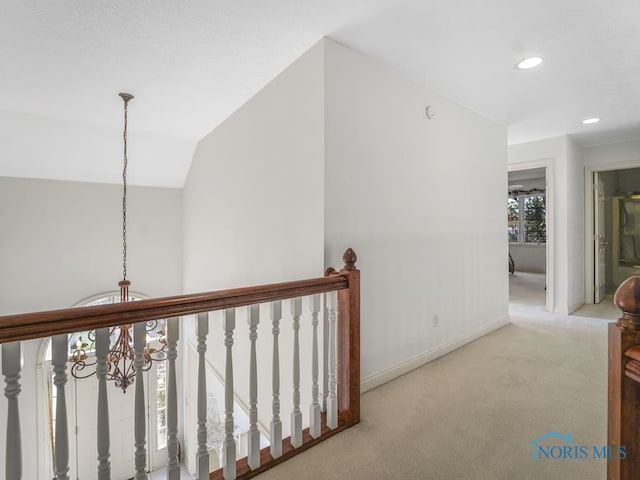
column 191, row 64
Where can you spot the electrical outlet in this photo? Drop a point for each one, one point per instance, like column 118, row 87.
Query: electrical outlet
column 435, row 319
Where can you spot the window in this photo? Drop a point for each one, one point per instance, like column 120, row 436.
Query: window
column 161, row 405
column 86, row 339
column 526, row 218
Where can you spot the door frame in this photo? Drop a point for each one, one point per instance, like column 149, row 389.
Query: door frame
column 598, row 239
column 589, row 221
column 547, row 164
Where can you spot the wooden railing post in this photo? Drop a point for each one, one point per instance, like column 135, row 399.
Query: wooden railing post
column 253, row 314
column 331, row 299
column 276, row 423
column 59, row 355
column 296, row 415
column 315, row 427
column 229, row 443
column 11, row 366
column 624, row 390
column 140, row 424
column 173, row 464
column 202, row 454
column 349, row 343
column 103, row 425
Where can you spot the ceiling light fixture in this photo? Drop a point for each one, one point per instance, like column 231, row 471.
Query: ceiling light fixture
column 529, row 63
column 121, row 356
column 589, row 121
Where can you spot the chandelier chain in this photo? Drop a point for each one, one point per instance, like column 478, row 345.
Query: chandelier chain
column 124, row 193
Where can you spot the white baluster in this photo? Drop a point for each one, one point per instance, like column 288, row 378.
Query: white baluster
column 202, row 456
column 254, row 434
column 11, row 365
column 296, row 415
column 102, row 352
column 229, row 443
column 173, row 467
column 59, row 354
column 332, row 400
column 325, row 353
column 315, row 426
column 276, row 423
column 139, row 344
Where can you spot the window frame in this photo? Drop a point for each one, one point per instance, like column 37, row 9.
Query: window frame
column 521, row 231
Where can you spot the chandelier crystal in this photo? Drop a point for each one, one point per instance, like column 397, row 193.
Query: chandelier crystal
column 120, row 360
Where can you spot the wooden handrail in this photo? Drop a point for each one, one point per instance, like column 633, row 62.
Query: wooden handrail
column 345, row 363
column 624, row 387
column 54, row 322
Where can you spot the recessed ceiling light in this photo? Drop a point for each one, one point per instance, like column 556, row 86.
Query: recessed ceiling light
column 589, row 121
column 528, row 63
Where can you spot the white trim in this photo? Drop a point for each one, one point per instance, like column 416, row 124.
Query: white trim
column 375, row 380
column 45, row 462
column 589, row 223
column 547, row 164
column 111, row 293
column 570, row 310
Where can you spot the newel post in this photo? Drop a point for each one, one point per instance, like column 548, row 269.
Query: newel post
column 624, row 389
column 349, row 342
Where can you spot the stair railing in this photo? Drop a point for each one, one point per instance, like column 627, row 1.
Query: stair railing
column 623, row 459
column 333, row 308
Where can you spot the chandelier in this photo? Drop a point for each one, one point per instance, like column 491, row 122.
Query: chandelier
column 121, row 356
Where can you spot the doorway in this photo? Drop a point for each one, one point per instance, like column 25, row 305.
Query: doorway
column 529, row 231
column 613, row 235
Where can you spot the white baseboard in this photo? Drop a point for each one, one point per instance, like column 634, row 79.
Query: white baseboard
column 375, row 380
column 570, row 310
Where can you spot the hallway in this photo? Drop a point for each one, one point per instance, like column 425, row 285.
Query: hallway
column 474, row 413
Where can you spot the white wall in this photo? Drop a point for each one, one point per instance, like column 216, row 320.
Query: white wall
column 61, row 243
column 254, row 209
column 613, row 153
column 71, row 150
column 89, row 151
column 254, row 193
column 429, row 240
column 568, row 215
column 529, row 257
column 575, row 225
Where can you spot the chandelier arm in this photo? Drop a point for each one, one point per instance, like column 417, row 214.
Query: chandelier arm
column 78, row 369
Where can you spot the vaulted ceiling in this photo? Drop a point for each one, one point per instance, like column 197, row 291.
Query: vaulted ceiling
column 191, row 64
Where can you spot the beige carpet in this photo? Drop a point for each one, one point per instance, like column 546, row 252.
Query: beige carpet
column 474, row 413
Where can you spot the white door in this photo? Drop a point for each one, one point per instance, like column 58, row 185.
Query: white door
column 599, row 238
column 121, row 418
column 156, row 386
column 121, row 408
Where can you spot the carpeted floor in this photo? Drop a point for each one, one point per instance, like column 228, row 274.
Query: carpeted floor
column 474, row 413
